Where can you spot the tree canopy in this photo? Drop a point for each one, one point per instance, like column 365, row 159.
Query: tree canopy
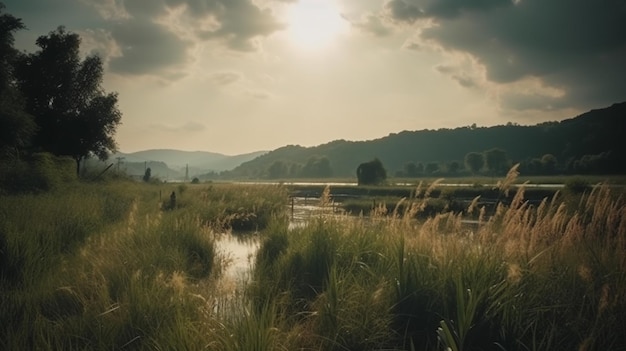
column 74, row 114
column 474, row 161
column 16, row 126
column 496, row 160
column 371, row 173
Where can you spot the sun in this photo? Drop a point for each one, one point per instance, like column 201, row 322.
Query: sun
column 314, row 24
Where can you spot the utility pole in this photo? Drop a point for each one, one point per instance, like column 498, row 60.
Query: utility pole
column 119, row 161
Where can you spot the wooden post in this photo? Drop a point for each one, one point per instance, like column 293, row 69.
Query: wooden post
column 292, row 205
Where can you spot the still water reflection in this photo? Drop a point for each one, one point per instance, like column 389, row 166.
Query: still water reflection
column 240, row 248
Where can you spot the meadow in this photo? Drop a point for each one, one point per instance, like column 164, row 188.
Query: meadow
column 116, row 265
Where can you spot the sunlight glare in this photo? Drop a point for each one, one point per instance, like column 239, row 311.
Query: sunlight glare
column 314, row 24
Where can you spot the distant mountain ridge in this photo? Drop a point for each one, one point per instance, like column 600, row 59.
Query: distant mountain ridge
column 174, row 163
column 597, row 132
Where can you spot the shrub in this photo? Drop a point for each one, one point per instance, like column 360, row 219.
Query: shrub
column 40, row 172
column 577, row 186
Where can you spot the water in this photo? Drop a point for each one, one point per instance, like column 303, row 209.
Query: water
column 458, row 185
column 240, row 248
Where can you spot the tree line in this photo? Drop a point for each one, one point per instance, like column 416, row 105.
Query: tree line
column 52, row 100
column 492, row 162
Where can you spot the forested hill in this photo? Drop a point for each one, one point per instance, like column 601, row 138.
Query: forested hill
column 591, row 142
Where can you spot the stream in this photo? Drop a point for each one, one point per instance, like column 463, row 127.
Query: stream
column 240, row 248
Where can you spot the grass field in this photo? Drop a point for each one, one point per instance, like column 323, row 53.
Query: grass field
column 101, row 266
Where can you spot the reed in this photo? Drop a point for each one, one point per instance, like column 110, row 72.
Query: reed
column 527, row 277
column 102, row 266
column 105, row 266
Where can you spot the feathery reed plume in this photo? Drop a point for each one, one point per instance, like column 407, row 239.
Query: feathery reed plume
column 325, row 199
column 511, row 177
column 473, row 205
column 394, row 214
column 432, row 187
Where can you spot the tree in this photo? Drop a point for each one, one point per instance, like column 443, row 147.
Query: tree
column 278, row 169
column 496, row 160
column 371, row 173
column 419, row 168
column 294, row 170
column 410, row 169
column 147, row 175
column 548, row 163
column 454, row 167
column 16, row 126
column 474, row 161
column 431, row 167
column 531, row 166
column 317, row 167
column 75, row 116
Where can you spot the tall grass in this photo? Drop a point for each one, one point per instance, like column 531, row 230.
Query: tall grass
column 108, row 266
column 544, row 277
column 234, row 206
column 102, row 266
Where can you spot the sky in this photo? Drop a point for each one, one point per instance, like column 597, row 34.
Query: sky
column 239, row 76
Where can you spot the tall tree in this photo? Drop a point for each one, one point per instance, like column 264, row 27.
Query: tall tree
column 147, row 174
column 496, row 160
column 431, row 167
column 74, row 114
column 16, row 126
column 474, row 161
column 453, row 167
column 549, row 162
column 410, row 169
column 371, row 173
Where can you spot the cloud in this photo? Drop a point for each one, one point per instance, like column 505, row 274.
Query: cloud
column 225, row 78
column 460, row 75
column 99, row 42
column 157, row 36
column 240, row 23
column 412, row 45
column 373, row 24
column 575, row 46
column 109, row 9
column 147, row 48
column 411, row 10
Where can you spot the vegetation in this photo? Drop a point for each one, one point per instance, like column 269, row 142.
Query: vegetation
column 100, row 266
column 371, row 173
column 67, row 113
column 587, row 144
column 147, row 174
column 73, row 114
column 109, row 265
column 16, row 126
column 474, row 162
column 527, row 278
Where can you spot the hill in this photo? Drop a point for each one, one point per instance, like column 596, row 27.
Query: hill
column 595, row 136
column 172, row 164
